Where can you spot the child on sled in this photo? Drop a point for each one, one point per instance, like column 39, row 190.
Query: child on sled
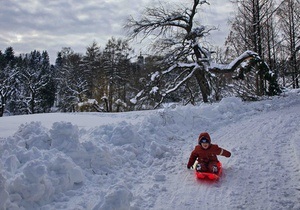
column 206, row 154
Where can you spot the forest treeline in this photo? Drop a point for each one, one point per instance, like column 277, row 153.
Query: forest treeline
column 99, row 80
column 260, row 58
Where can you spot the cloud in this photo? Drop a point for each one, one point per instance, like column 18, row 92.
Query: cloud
column 29, row 25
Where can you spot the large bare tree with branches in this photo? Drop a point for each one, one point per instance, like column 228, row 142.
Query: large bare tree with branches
column 289, row 19
column 178, row 35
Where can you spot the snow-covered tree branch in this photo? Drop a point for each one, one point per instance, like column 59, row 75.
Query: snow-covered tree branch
column 178, row 38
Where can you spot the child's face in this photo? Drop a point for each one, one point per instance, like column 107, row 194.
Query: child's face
column 205, row 145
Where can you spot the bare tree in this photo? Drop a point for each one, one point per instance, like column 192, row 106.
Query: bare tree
column 178, row 35
column 289, row 13
column 254, row 27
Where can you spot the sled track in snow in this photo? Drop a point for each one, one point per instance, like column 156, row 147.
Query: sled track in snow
column 271, row 169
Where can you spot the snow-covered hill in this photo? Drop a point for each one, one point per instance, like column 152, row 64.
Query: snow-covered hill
column 138, row 160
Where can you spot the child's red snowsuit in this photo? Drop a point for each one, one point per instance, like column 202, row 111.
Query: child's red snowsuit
column 207, row 158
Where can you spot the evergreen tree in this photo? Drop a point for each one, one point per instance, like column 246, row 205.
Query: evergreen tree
column 8, row 78
column 117, row 68
column 71, row 82
column 93, row 71
column 35, row 77
column 48, row 91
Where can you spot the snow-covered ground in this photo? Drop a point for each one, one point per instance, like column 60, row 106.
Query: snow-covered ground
column 137, row 160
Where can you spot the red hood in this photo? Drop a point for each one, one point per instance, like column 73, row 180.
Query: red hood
column 204, row 135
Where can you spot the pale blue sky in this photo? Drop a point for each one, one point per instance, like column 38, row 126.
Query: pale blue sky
column 29, row 25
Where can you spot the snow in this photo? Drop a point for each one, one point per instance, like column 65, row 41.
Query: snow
column 234, row 62
column 88, row 102
column 137, row 160
column 154, row 90
column 154, row 75
column 134, row 100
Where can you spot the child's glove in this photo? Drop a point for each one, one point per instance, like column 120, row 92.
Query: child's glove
column 227, row 154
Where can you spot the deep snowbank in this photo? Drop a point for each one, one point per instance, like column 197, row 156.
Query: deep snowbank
column 138, row 160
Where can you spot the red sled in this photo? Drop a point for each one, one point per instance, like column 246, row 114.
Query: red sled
column 208, row 175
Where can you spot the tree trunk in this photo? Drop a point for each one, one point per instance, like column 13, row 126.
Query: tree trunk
column 2, row 105
column 1, row 111
column 203, row 84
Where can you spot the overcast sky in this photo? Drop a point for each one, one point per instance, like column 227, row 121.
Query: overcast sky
column 28, row 25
